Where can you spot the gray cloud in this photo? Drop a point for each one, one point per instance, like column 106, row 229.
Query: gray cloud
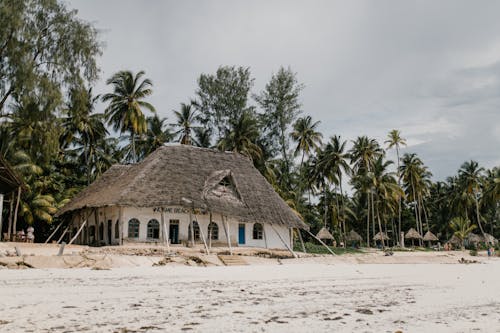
column 430, row 69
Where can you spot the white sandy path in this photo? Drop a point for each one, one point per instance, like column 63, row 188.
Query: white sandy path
column 304, row 297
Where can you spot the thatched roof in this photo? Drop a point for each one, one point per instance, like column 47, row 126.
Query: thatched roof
column 490, row 239
column 353, row 236
column 9, row 179
column 430, row 237
column 473, row 238
column 413, row 234
column 324, row 234
column 455, row 240
column 190, row 177
column 380, row 235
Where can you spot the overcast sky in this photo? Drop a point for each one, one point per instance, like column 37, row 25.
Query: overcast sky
column 428, row 68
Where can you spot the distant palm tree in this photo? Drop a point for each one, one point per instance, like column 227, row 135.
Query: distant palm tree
column 307, row 137
column 470, row 176
column 242, row 137
column 363, row 154
column 394, row 139
column 126, row 104
column 185, row 119
column 157, row 135
column 461, row 227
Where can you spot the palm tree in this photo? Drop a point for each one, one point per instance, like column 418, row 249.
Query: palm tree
column 307, row 138
column 363, row 154
column 186, row 117
column 242, row 137
column 82, row 127
column 332, row 161
column 126, row 104
column 157, row 135
column 394, row 139
column 470, row 175
column 461, row 228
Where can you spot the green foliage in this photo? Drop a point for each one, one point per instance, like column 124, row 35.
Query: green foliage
column 316, row 248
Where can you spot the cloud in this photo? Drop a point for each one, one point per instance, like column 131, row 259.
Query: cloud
column 430, row 69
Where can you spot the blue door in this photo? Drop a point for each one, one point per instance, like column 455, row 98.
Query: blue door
column 241, row 233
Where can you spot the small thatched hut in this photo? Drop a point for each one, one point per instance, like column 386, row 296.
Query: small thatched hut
column 183, row 194
column 473, row 239
column 489, row 239
column 324, row 234
column 412, row 234
column 353, row 237
column 430, row 237
column 455, row 241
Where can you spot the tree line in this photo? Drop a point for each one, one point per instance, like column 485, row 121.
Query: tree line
column 55, row 134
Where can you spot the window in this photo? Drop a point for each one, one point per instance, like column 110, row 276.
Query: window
column 213, row 231
column 153, row 229
column 133, row 228
column 257, row 231
column 117, row 229
column 196, row 230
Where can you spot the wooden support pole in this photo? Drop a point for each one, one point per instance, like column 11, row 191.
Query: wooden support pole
column 61, row 249
column 18, row 251
column 202, row 235
column 53, row 233
column 64, row 233
column 319, row 240
column 264, row 234
column 17, row 209
column 120, row 225
column 283, row 241
column 226, row 230
column 166, row 231
column 192, row 228
column 301, row 241
column 1, row 211
column 77, row 233
column 11, row 215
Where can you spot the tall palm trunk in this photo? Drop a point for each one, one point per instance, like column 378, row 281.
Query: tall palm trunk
column 477, row 215
column 367, row 220
column 343, row 213
column 399, row 199
column 380, row 230
column 373, row 214
column 132, row 146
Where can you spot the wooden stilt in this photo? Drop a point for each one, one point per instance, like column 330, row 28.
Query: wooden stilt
column 53, row 233
column 283, row 241
column 17, row 209
column 226, row 230
column 319, row 240
column 301, row 241
column 120, row 225
column 202, row 235
column 64, row 233
column 77, row 233
column 1, row 210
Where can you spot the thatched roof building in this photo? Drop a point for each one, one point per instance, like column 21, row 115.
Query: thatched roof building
column 324, row 234
column 183, row 181
column 9, row 179
column 413, row 234
column 430, row 237
column 474, row 239
column 489, row 239
column 455, row 240
column 353, row 236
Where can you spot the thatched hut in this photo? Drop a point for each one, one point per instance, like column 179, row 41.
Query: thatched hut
column 455, row 241
column 430, row 237
column 324, row 234
column 413, row 234
column 353, row 237
column 183, row 194
column 489, row 239
column 473, row 239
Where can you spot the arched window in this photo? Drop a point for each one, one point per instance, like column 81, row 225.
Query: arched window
column 117, row 229
column 258, row 231
column 196, row 231
column 133, row 228
column 213, row 231
column 153, row 229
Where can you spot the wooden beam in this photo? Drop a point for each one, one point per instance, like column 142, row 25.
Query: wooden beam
column 17, row 209
column 77, row 233
column 53, row 233
column 263, row 233
column 286, row 245
column 319, row 240
column 202, row 235
column 192, row 228
column 64, row 233
column 301, row 241
column 226, row 230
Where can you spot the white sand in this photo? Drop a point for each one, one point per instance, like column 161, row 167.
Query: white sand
column 305, row 295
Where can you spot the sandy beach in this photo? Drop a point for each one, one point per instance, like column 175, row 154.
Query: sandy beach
column 313, row 294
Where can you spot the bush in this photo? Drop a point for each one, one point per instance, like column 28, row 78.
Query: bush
column 473, row 252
